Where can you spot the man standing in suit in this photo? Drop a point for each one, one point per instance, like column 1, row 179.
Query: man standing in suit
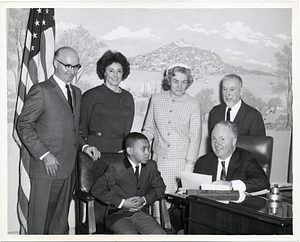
column 48, row 127
column 248, row 119
column 128, row 186
column 230, row 165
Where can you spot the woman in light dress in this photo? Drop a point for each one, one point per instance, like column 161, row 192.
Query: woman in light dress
column 173, row 122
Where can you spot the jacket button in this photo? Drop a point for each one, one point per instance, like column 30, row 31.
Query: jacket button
column 99, row 134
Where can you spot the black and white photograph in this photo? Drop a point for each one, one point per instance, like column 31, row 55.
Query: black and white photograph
column 139, row 121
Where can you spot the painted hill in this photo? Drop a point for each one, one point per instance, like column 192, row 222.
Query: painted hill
column 203, row 62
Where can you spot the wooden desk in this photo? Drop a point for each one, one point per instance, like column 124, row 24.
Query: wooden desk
column 253, row 216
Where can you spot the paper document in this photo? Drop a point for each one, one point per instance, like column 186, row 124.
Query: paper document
column 194, row 180
column 261, row 192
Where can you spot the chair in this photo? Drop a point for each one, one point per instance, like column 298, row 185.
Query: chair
column 261, row 147
column 88, row 218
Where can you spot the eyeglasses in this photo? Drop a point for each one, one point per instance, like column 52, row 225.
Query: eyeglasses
column 70, row 67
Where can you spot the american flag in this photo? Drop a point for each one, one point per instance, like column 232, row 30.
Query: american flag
column 36, row 67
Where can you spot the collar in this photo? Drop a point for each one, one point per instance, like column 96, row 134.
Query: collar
column 61, row 83
column 226, row 161
column 236, row 107
column 133, row 164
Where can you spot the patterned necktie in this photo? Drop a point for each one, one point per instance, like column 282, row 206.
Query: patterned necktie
column 223, row 172
column 136, row 173
column 69, row 97
column 228, row 114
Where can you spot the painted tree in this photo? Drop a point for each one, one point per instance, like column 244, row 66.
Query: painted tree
column 274, row 102
column 206, row 102
column 284, row 71
column 252, row 100
column 17, row 22
column 86, row 45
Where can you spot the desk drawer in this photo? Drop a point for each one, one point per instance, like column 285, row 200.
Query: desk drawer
column 211, row 219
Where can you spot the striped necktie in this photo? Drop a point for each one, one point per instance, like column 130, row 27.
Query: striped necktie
column 223, row 172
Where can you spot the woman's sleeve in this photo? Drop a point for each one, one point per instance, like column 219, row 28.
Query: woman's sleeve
column 195, row 134
column 87, row 103
column 148, row 128
column 129, row 121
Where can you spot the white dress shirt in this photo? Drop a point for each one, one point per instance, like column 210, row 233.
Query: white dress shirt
column 62, row 86
column 234, row 110
column 134, row 168
column 236, row 184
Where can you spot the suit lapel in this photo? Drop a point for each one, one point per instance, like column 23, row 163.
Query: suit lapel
column 128, row 166
column 233, row 164
column 240, row 114
column 220, row 115
column 143, row 172
column 214, row 167
column 59, row 92
column 76, row 97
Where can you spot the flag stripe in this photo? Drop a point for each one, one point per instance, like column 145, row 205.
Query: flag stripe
column 47, row 37
column 36, row 67
column 24, row 169
column 33, row 71
column 22, row 218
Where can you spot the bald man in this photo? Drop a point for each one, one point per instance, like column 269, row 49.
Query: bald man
column 48, row 127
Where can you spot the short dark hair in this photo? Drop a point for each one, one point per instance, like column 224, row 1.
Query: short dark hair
column 168, row 74
column 110, row 57
column 232, row 77
column 232, row 126
column 131, row 138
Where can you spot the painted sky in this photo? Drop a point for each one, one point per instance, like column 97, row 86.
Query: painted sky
column 246, row 37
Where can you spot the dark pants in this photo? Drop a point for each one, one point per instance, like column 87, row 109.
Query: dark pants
column 138, row 223
column 49, row 205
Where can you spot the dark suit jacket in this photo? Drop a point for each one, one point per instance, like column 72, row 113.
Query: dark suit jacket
column 248, row 119
column 48, row 124
column 119, row 182
column 242, row 166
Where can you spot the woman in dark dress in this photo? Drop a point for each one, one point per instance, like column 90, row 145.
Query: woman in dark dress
column 107, row 112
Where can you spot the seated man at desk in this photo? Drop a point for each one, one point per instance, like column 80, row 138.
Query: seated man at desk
column 230, row 165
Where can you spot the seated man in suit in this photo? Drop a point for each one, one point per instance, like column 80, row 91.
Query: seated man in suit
column 248, row 119
column 128, row 186
column 230, row 165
